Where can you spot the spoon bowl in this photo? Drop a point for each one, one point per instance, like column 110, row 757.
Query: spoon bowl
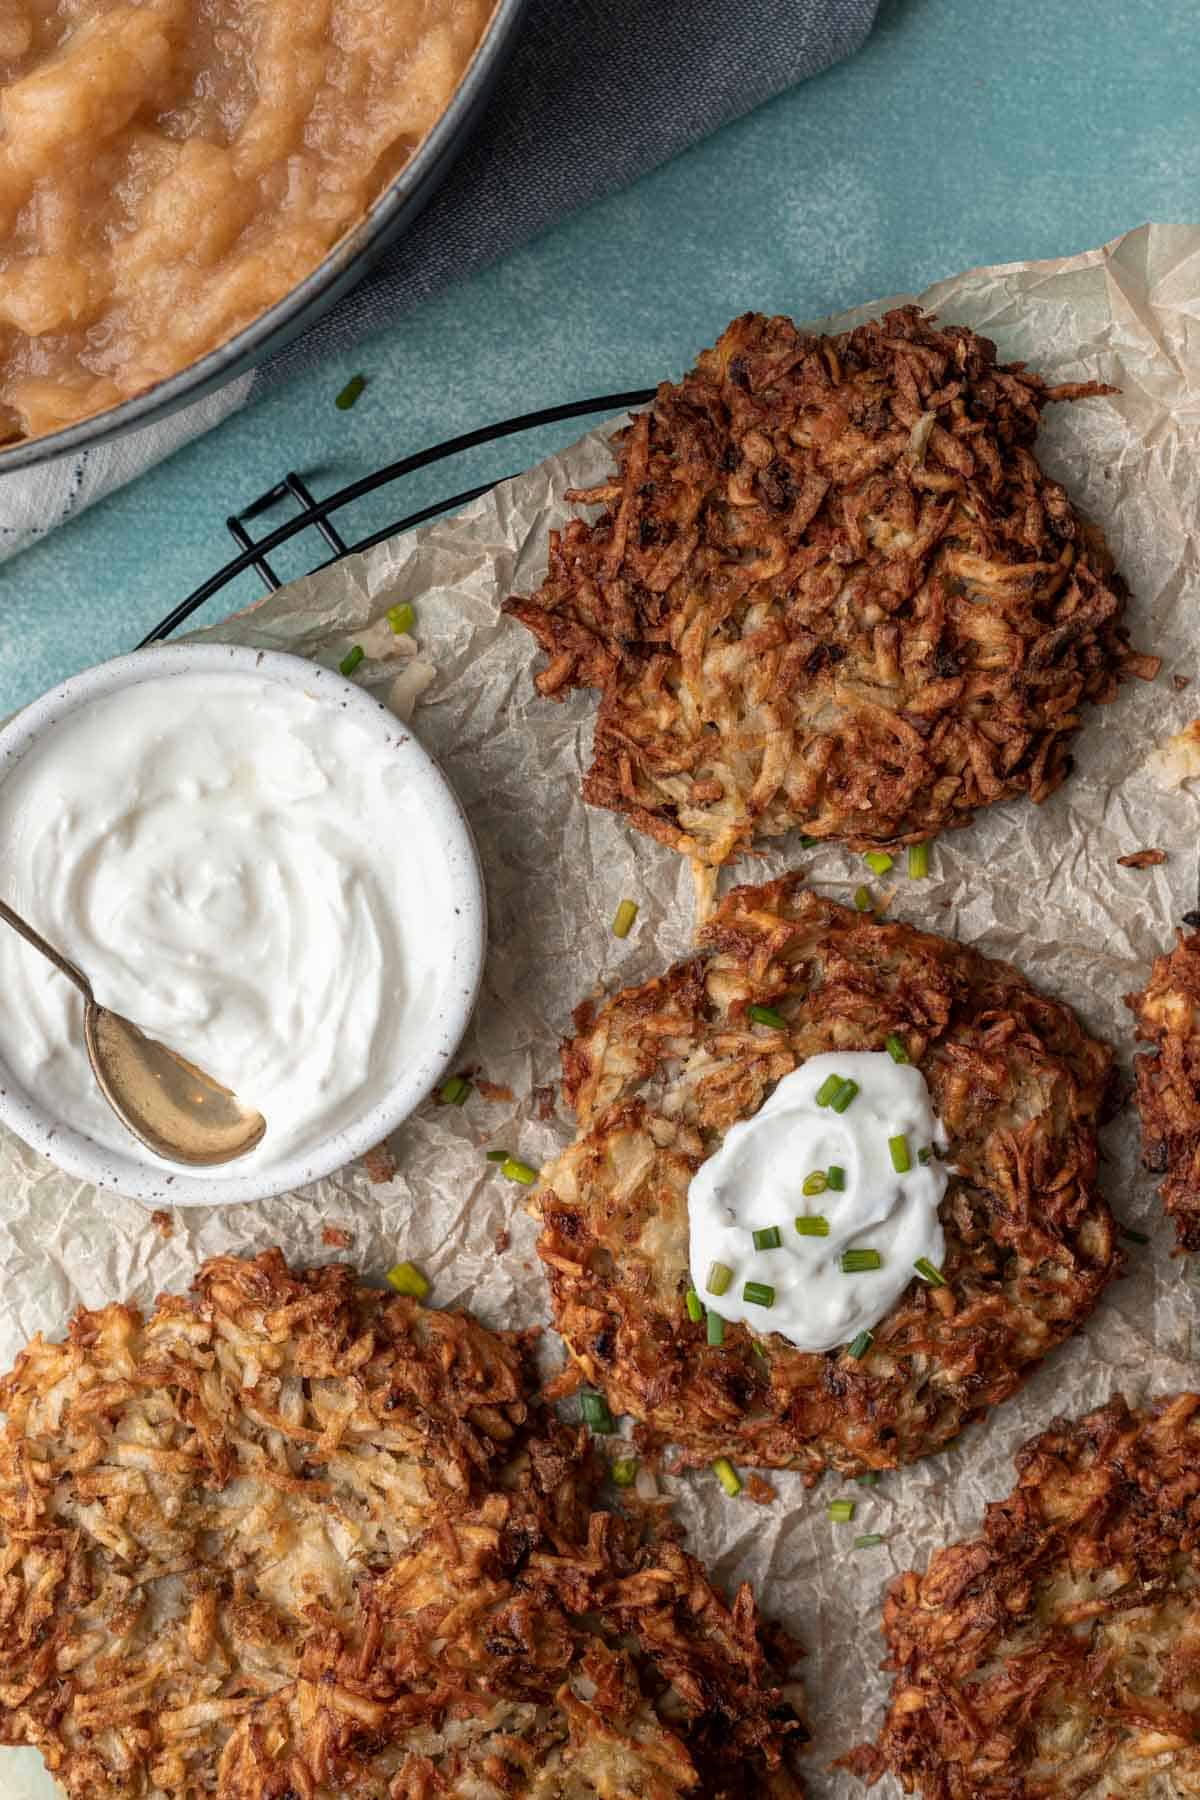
column 169, row 1105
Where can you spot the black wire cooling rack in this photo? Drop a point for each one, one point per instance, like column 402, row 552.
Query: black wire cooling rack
column 317, row 515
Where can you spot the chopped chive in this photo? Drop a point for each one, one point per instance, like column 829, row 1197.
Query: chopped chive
column 768, row 1238
column 929, row 1272
column 862, row 1343
column 352, row 659
column 499, row 1156
column 1135, row 1237
column 859, row 1262
column 455, row 1091
column 594, row 1408
column 844, row 1096
column 695, row 1306
column 812, row 1225
column 835, row 1178
column 808, row 843
column 758, row 1293
column 896, row 1048
column 622, row 923
column 868, row 1540
column 715, row 1330
column 841, row 1511
column 728, row 1476
column 513, row 1169
column 918, row 861
column 401, row 618
column 925, row 1154
column 815, row 1182
column 878, row 861
column 624, row 1471
column 406, row 1278
column 760, row 1352
column 766, row 1015
column 350, row 393
column 862, row 899
column 898, row 1150
column 868, row 1478
column 719, row 1277
column 828, row 1089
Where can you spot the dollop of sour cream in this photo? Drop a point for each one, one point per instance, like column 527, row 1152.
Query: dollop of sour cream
column 755, row 1181
column 238, row 866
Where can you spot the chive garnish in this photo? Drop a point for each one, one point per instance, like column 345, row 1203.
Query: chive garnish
column 812, row 1225
column 352, row 659
column 695, row 1306
column 769, row 1238
column 808, row 843
column 918, row 861
column 455, row 1091
column 513, row 1169
column 929, row 1272
column 715, row 1330
column 868, row 1478
column 862, row 1343
column 859, row 1262
column 1135, row 1237
column 758, row 1293
column 835, row 1178
column 828, row 1089
column 896, row 1048
column 925, row 1155
column 815, row 1182
column 626, row 913
column 760, row 1352
column 719, row 1277
column 862, row 899
column 728, row 1476
column 766, row 1015
column 898, row 1150
column 624, row 1471
column 499, row 1156
column 594, row 1408
column 868, row 1540
column 350, row 393
column 841, row 1511
column 844, row 1096
column 401, row 618
column 878, row 861
column 406, row 1278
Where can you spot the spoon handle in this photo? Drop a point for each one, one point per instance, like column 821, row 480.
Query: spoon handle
column 48, row 951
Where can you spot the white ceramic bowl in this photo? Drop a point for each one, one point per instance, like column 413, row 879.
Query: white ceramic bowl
column 449, row 837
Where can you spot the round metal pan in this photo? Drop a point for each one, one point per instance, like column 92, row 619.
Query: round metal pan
column 345, row 264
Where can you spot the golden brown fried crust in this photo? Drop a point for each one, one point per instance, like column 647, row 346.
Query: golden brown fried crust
column 1058, row 1653
column 1167, row 1014
column 296, row 1539
column 663, row 1071
column 831, row 588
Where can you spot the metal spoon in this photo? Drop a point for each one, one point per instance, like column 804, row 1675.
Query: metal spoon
column 170, row 1105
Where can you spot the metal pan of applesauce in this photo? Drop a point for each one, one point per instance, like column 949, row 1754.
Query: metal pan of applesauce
column 346, row 264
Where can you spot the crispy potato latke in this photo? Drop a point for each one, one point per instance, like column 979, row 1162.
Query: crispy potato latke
column 1058, row 1654
column 831, row 588
column 297, row 1539
column 1167, row 1012
column 660, row 1074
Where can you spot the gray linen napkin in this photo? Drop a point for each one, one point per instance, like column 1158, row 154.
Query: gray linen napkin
column 596, row 93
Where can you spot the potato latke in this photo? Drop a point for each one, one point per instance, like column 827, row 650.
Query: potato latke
column 831, row 588
column 297, row 1539
column 660, row 1073
column 1058, row 1653
column 1167, row 1012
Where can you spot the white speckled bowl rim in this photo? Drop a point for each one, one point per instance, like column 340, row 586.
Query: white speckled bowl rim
column 77, row 1154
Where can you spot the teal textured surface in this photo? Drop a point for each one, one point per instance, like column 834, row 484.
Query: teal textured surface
column 962, row 134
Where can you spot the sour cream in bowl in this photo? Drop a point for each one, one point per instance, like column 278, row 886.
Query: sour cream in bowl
column 260, row 865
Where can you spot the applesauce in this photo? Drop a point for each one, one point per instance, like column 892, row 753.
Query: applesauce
column 171, row 168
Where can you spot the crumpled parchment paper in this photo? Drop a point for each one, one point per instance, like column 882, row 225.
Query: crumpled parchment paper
column 1040, row 886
